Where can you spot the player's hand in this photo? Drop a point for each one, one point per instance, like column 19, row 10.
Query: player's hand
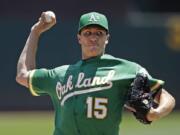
column 153, row 114
column 42, row 25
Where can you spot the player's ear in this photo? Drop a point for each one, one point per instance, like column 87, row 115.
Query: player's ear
column 107, row 39
column 79, row 38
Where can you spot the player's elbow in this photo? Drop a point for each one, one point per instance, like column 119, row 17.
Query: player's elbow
column 170, row 100
column 169, row 106
column 22, row 78
column 18, row 79
column 173, row 103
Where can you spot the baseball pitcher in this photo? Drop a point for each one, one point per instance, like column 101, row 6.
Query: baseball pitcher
column 89, row 95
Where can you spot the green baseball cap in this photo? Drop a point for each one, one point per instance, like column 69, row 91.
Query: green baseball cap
column 93, row 18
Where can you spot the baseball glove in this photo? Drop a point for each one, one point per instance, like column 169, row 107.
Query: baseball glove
column 140, row 97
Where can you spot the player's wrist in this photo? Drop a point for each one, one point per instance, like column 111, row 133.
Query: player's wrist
column 35, row 31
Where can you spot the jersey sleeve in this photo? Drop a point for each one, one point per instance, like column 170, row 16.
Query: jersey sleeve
column 40, row 82
column 155, row 84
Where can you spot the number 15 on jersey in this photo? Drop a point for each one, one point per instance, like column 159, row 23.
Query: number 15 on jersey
column 96, row 107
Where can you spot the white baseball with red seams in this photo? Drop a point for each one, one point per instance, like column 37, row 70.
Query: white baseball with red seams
column 49, row 15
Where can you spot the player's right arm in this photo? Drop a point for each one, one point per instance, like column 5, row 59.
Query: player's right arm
column 27, row 61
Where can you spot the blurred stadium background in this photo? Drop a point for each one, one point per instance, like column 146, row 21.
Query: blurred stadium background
column 147, row 32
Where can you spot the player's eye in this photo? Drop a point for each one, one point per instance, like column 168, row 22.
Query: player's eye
column 89, row 33
column 99, row 33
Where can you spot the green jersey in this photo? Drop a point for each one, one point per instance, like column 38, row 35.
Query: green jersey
column 88, row 96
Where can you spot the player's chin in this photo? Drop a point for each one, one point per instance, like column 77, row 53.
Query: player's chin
column 94, row 53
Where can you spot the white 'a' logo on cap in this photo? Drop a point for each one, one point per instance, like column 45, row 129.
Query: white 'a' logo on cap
column 94, row 18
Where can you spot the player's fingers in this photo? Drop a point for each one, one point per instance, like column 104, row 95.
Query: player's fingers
column 42, row 17
column 42, row 25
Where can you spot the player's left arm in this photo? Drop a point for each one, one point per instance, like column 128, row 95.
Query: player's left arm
column 166, row 103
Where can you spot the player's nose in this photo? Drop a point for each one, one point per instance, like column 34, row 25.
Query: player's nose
column 93, row 38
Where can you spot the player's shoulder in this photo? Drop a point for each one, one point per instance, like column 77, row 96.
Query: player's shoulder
column 120, row 60
column 66, row 68
column 62, row 68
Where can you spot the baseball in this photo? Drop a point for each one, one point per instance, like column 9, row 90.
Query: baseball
column 49, row 15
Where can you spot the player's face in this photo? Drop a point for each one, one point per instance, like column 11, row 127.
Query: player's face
column 93, row 40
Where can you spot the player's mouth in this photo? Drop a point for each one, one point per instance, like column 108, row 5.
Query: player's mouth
column 93, row 47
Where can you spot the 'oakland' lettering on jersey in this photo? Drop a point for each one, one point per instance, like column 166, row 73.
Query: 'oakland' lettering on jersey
column 83, row 82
